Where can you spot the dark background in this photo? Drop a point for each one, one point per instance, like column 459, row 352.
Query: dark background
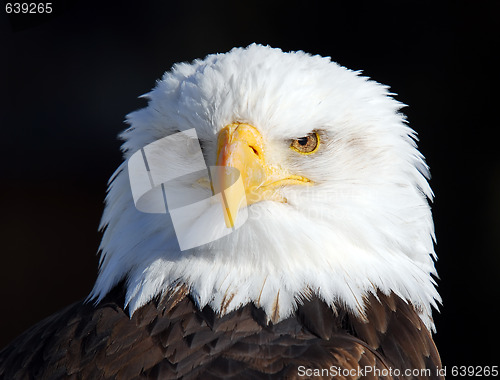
column 68, row 80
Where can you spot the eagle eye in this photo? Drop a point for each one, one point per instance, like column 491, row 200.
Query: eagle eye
column 307, row 144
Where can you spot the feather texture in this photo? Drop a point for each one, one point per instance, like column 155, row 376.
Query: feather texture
column 364, row 226
column 337, row 278
column 170, row 338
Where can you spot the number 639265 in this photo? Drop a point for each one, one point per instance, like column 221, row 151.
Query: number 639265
column 33, row 8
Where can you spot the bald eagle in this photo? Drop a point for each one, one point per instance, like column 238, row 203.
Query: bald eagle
column 330, row 274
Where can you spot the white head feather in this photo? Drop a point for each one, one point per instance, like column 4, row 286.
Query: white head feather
column 364, row 226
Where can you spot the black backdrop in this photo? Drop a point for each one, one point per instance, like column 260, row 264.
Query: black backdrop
column 68, row 80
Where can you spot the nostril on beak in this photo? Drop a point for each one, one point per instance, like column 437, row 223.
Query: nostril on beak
column 254, row 150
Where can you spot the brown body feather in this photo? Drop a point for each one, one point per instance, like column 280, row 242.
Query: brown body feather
column 171, row 338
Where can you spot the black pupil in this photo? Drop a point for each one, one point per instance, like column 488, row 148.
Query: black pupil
column 302, row 141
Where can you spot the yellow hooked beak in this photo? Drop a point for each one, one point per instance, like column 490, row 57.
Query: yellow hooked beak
column 241, row 146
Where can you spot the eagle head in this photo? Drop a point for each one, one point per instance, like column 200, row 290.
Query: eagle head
column 332, row 188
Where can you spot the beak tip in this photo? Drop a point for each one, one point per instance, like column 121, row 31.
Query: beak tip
column 228, row 218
